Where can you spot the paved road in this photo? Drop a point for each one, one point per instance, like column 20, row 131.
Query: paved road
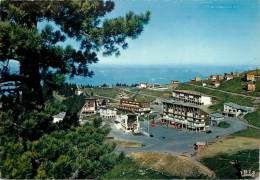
column 174, row 140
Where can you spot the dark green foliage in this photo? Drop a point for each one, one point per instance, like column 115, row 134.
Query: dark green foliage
column 224, row 124
column 78, row 153
column 228, row 166
column 67, row 89
column 74, row 103
column 31, row 145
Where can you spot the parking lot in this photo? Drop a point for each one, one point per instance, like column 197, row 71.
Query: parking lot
column 172, row 140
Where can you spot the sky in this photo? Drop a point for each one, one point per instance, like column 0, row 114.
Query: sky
column 214, row 32
column 201, row 32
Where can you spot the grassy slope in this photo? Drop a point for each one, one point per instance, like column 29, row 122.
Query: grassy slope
column 254, row 118
column 139, row 96
column 221, row 164
column 108, row 92
column 175, row 165
column 130, row 169
column 237, row 85
column 250, row 132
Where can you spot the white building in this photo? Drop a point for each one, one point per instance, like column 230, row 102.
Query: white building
column 59, row 117
column 107, row 113
column 191, row 97
column 142, row 86
column 128, row 122
column 78, row 92
column 215, row 118
column 232, row 109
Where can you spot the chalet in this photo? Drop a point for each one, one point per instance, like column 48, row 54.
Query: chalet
column 250, row 87
column 184, row 115
column 191, row 97
column 215, row 118
column 216, row 77
column 213, row 77
column 250, row 76
column 199, row 146
column 215, row 83
column 90, row 107
column 228, row 77
column 234, row 110
column 107, row 113
column 59, row 117
column 134, row 106
column 129, row 122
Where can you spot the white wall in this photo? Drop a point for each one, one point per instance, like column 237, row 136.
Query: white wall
column 206, row 100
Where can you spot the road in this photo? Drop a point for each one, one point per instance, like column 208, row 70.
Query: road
column 171, row 140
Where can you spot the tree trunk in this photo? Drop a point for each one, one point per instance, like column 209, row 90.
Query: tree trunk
column 32, row 90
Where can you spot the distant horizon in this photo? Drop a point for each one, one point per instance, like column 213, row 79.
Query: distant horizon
column 178, row 65
column 162, row 74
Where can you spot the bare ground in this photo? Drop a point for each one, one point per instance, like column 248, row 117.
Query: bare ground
column 175, row 165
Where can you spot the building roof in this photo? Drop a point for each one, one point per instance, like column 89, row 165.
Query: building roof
column 216, row 115
column 199, row 143
column 237, row 106
column 181, row 103
column 61, row 115
column 189, row 92
column 91, row 98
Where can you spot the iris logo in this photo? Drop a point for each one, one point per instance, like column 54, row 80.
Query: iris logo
column 247, row 173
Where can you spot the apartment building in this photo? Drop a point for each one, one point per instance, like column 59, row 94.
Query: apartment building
column 191, row 97
column 134, row 106
column 184, row 115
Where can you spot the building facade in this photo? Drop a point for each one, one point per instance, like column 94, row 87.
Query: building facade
column 184, row 115
column 106, row 113
column 142, row 85
column 228, row 77
column 250, row 87
column 191, row 97
column 250, row 77
column 234, row 110
column 134, row 106
column 59, row 117
column 174, row 84
column 90, row 107
column 215, row 83
column 128, row 122
column 215, row 118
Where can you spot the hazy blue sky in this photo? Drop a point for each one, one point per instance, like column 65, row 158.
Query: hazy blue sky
column 193, row 32
column 219, row 32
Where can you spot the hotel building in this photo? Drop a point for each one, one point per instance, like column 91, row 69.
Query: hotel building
column 134, row 106
column 184, row 115
column 191, row 97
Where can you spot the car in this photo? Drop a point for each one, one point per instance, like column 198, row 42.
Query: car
column 151, row 135
column 208, row 131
